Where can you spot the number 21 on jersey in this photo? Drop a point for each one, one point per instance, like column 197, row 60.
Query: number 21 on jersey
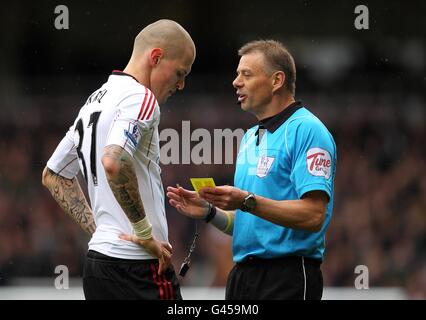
column 89, row 129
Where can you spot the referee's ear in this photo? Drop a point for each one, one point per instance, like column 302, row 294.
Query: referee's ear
column 278, row 80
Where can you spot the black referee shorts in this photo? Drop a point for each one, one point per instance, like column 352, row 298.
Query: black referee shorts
column 286, row 278
column 108, row 278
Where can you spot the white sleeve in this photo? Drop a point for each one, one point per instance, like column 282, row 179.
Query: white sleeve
column 64, row 161
column 137, row 114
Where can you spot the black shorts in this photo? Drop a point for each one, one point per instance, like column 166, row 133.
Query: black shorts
column 287, row 278
column 109, row 278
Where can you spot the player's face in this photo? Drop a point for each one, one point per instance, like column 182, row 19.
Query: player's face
column 253, row 84
column 170, row 75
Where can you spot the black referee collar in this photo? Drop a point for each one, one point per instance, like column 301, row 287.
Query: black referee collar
column 273, row 123
column 121, row 73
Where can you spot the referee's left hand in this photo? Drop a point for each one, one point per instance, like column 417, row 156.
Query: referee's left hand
column 224, row 197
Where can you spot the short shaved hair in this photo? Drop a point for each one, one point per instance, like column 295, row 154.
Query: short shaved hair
column 166, row 34
column 277, row 58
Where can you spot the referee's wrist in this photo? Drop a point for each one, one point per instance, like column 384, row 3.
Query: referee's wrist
column 210, row 214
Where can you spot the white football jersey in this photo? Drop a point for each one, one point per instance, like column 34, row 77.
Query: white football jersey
column 122, row 112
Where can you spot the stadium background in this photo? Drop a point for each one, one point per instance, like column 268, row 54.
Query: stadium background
column 367, row 86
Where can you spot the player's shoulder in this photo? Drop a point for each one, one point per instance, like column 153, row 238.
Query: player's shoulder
column 130, row 88
column 124, row 85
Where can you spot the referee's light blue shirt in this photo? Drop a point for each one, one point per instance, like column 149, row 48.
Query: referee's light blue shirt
column 296, row 154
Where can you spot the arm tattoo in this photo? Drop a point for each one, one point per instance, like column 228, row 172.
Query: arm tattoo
column 124, row 185
column 70, row 197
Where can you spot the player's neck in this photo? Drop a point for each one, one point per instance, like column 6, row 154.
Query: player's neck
column 141, row 77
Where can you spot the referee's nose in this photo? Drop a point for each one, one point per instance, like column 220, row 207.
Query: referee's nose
column 237, row 83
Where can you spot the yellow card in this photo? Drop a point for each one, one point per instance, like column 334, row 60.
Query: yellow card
column 199, row 183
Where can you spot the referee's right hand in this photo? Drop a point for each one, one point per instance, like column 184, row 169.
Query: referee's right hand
column 162, row 250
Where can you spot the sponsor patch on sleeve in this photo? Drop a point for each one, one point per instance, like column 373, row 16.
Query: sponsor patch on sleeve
column 318, row 162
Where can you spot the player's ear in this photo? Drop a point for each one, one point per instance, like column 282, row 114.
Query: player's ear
column 155, row 56
column 278, row 80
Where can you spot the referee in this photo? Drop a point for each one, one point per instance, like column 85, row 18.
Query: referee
column 282, row 202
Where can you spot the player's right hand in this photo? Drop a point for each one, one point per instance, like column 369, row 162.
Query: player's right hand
column 187, row 202
column 162, row 250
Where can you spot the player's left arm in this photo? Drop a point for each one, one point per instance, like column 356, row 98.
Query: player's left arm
column 68, row 194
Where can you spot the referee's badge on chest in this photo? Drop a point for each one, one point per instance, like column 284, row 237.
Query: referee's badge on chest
column 264, row 165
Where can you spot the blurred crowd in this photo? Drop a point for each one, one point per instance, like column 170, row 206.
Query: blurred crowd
column 379, row 217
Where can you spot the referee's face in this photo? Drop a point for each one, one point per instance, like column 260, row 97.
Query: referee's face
column 169, row 76
column 253, row 84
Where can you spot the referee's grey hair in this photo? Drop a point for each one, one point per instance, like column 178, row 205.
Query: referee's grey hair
column 277, row 58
